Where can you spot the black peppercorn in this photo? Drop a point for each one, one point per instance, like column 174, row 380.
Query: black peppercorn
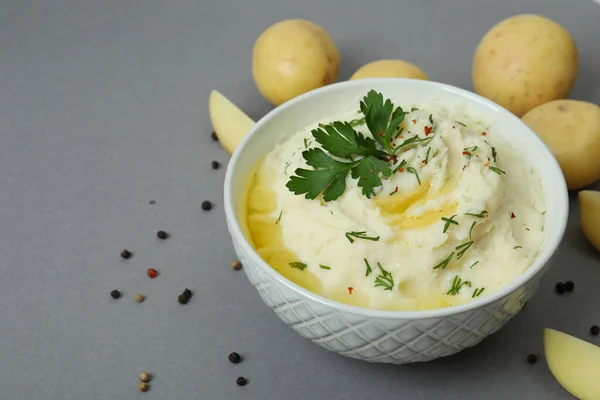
column 187, row 293
column 560, row 288
column 182, row 299
column 162, row 235
column 532, row 358
column 206, row 205
column 214, row 136
column 152, row 202
column 569, row 286
column 115, row 294
column 215, row 165
column 595, row 330
column 126, row 254
column 234, row 358
column 241, row 381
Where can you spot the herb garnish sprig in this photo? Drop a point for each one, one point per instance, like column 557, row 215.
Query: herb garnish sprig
column 360, row 235
column 448, row 221
column 457, row 284
column 482, row 214
column 385, row 279
column 345, row 151
column 382, row 118
column 298, row 265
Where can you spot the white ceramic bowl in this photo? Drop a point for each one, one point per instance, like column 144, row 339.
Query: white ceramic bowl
column 390, row 336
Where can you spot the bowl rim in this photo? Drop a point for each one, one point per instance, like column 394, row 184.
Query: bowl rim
column 534, row 269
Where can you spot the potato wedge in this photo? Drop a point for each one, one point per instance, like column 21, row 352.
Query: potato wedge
column 229, row 122
column 574, row 363
column 589, row 204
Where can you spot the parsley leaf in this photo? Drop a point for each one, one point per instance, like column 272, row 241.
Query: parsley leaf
column 341, row 140
column 381, row 117
column 367, row 172
column 328, row 177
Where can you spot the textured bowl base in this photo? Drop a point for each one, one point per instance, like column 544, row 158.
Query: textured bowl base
column 380, row 340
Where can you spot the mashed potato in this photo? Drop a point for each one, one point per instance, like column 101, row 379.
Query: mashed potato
column 460, row 216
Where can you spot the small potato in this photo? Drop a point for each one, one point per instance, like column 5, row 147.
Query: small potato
column 525, row 61
column 571, row 129
column 292, row 57
column 389, row 69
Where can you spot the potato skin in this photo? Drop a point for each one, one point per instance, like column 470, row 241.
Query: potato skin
column 571, row 129
column 292, row 57
column 524, row 61
column 389, row 69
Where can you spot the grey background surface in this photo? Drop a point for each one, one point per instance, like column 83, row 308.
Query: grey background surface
column 103, row 107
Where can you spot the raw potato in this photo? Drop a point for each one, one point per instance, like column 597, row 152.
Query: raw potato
column 589, row 204
column 525, row 61
column 389, row 69
column 571, row 129
column 293, row 57
column 574, row 363
column 229, row 122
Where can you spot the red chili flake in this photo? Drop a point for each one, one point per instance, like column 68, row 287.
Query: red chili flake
column 414, row 121
column 402, row 136
column 380, row 134
column 453, row 127
column 396, row 190
column 487, row 163
column 512, row 215
column 465, row 153
column 424, row 161
column 152, row 273
column 350, row 289
column 427, row 130
column 484, row 133
column 401, row 170
column 371, row 171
